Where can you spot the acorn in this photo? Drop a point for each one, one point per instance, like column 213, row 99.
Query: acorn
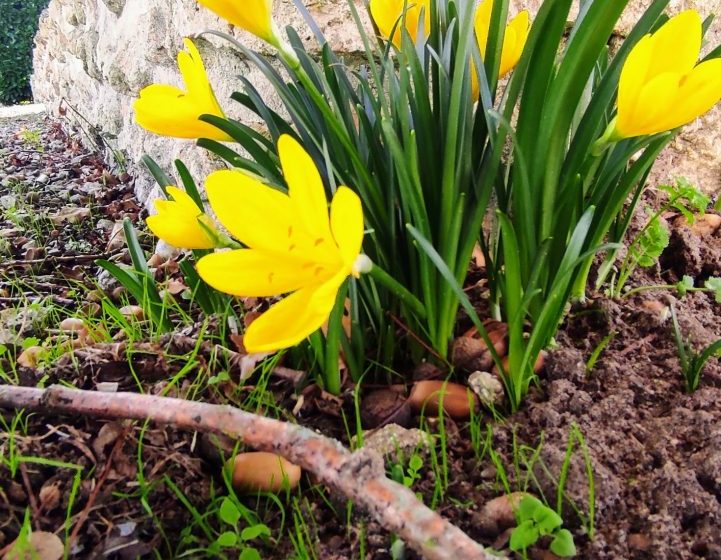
column 133, row 312
column 72, row 325
column 537, row 367
column 472, row 354
column 457, row 399
column 702, row 225
column 259, row 471
column 498, row 514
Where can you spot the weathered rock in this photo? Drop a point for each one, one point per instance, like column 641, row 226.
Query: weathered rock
column 393, row 441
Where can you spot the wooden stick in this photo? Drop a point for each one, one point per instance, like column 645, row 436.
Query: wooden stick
column 360, row 475
column 54, row 260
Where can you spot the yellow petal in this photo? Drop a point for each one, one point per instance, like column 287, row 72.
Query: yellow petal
column 254, row 16
column 654, row 102
column 305, row 189
column 193, row 71
column 699, row 91
column 167, row 111
column 178, row 228
column 346, row 222
column 295, row 318
column 256, row 215
column 513, row 42
column 387, row 14
column 183, row 199
column 633, row 78
column 676, row 45
column 482, row 24
column 253, row 273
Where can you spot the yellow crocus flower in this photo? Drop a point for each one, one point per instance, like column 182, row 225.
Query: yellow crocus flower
column 255, row 16
column 293, row 246
column 178, row 222
column 661, row 85
column 514, row 39
column 170, row 111
column 387, row 15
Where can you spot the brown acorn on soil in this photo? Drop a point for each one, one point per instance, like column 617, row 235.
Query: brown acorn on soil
column 259, row 471
column 498, row 515
column 71, row 324
column 472, row 354
column 707, row 224
column 40, row 544
column 133, row 312
column 537, row 367
column 425, row 397
column 428, row 370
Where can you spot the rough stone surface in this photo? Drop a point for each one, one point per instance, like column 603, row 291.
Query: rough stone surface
column 92, row 57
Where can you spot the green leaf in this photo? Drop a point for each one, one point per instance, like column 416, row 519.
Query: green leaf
column 137, row 255
column 158, row 174
column 714, row 284
column 652, row 242
column 547, row 520
column 228, row 512
column 397, row 474
column 28, row 342
column 189, row 183
column 563, row 545
column 227, row 539
column 684, row 285
column 523, row 536
column 687, row 198
column 527, row 508
column 415, row 463
column 250, row 533
column 249, row 554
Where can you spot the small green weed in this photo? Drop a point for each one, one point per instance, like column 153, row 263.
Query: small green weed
column 536, row 520
column 692, row 362
column 33, row 138
column 596, row 354
column 684, row 286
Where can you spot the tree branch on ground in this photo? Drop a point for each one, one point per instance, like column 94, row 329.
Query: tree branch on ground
column 360, row 475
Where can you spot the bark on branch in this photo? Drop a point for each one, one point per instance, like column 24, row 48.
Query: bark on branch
column 360, row 475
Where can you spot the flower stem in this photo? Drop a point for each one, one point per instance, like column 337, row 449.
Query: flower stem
column 377, row 273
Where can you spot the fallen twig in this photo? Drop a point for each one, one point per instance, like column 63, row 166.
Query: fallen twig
column 54, row 260
column 20, row 300
column 360, row 475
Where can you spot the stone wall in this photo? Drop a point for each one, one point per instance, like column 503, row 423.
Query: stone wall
column 92, row 57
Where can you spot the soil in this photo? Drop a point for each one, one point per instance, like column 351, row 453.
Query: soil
column 654, row 450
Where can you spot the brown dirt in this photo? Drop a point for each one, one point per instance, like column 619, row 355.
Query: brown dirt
column 655, row 451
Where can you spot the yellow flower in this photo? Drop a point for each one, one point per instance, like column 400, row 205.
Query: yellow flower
column 514, row 39
column 170, row 111
column 178, row 222
column 387, row 15
column 293, row 246
column 254, row 16
column 661, row 86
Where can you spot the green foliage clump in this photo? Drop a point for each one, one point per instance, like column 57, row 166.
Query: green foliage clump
column 18, row 24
